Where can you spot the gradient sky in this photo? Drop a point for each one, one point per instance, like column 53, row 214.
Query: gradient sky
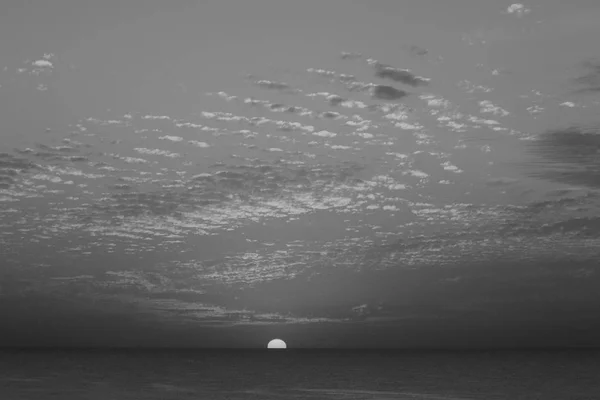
column 337, row 173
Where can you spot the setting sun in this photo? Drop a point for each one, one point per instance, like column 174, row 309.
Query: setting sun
column 276, row 344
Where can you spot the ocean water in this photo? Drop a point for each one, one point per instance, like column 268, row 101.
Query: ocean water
column 299, row 374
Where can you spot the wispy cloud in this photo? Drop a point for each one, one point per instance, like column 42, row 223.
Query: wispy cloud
column 158, row 152
column 400, row 75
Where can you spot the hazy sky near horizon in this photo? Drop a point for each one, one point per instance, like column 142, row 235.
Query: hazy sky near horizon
column 336, row 173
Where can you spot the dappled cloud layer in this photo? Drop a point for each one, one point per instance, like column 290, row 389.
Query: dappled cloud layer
column 251, row 211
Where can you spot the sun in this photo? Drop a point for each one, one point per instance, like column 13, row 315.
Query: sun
column 276, row 344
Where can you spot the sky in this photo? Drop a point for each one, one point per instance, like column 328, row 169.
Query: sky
column 335, row 173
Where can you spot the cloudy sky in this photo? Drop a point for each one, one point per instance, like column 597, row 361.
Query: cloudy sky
column 337, row 173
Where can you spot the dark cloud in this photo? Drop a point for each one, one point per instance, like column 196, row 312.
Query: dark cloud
column 399, row 75
column 9, row 161
column 568, row 155
column 591, row 79
column 75, row 158
column 590, row 90
column 559, row 199
column 330, row 114
column 384, row 92
column 335, row 100
column 277, row 106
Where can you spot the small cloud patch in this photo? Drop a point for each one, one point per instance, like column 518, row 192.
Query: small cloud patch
column 171, row 138
column 325, row 134
column 518, row 9
column 199, row 144
column 272, row 85
column 43, row 64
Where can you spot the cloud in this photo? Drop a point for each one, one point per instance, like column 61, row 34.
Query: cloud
column 400, row 75
column 286, row 126
column 222, row 95
column 156, row 117
column 188, row 125
column 488, row 107
column 384, row 92
column 362, row 311
column 171, row 138
column 353, row 104
column 535, row 109
column 568, row 155
column 417, row 51
column 322, row 72
column 325, row 134
column 583, row 226
column 469, row 87
column 501, row 181
column 357, row 86
column 199, row 144
column 448, row 166
column 567, row 104
column 518, row 9
column 131, row 160
column 279, row 107
column 591, row 79
column 416, row 174
column 589, row 90
column 365, row 135
column 160, row 206
column 346, row 78
column 43, row 64
column 272, row 85
column 350, row 55
column 158, row 152
column 11, row 167
column 335, row 100
column 332, row 115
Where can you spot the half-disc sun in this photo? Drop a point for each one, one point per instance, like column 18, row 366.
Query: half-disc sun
column 276, row 344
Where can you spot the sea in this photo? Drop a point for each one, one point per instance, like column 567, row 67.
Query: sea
column 299, row 374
